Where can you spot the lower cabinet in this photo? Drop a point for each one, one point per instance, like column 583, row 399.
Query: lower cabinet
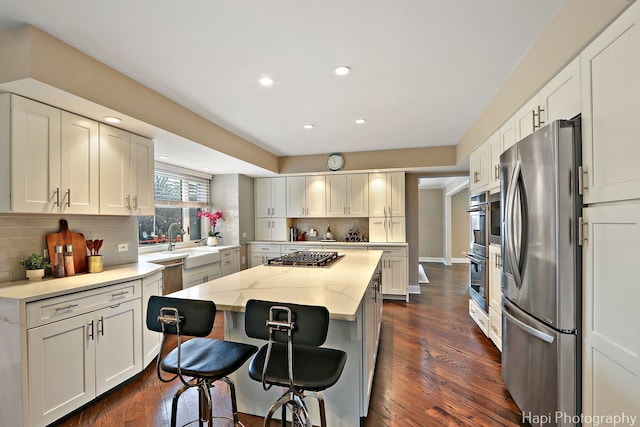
column 196, row 276
column 372, row 313
column 495, row 327
column 394, row 272
column 73, row 358
column 229, row 261
column 151, row 340
column 495, row 295
column 259, row 254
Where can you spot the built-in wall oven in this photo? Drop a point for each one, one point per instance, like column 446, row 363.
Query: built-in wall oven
column 479, row 248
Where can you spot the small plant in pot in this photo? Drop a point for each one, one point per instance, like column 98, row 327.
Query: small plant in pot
column 35, row 265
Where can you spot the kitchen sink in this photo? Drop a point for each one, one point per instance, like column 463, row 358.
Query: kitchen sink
column 197, row 257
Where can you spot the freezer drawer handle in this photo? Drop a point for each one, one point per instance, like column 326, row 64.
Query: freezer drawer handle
column 536, row 333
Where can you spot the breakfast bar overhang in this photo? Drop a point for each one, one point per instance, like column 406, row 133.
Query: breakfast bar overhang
column 350, row 288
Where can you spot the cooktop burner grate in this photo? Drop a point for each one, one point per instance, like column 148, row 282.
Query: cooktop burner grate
column 305, row 259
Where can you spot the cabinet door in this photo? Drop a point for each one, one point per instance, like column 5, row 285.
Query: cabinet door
column 151, row 285
column 115, row 198
column 278, row 197
column 336, row 195
column 377, row 229
column 35, row 156
column 314, row 196
column 279, row 230
column 141, row 176
column 296, row 196
column 263, row 229
column 118, row 344
column 397, row 283
column 610, row 76
column 79, row 165
column 262, row 189
column 395, row 193
column 479, row 164
column 377, row 195
column 611, row 338
column 508, row 133
column 561, row 96
column 61, row 368
column 495, row 148
column 527, row 118
column 357, row 196
column 396, row 229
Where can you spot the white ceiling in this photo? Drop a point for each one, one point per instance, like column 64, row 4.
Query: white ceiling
column 422, row 70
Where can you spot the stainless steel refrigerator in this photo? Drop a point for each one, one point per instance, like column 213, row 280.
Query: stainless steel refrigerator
column 541, row 273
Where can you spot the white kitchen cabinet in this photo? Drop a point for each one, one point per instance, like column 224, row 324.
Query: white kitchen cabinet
column 387, row 230
column 372, row 311
column 272, row 229
column 202, row 274
column 479, row 316
column 306, row 196
column 611, row 337
column 495, row 295
column 229, row 261
column 495, row 149
column 151, row 285
column 77, row 351
column 259, row 253
column 394, row 272
column 558, row 99
column 386, row 194
column 347, row 195
column 54, row 159
column 479, row 165
column 270, row 197
column 610, row 92
column 126, row 173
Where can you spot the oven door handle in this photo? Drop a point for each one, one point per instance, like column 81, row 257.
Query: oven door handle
column 476, row 259
column 480, row 208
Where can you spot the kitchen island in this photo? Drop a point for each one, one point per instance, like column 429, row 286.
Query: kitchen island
column 349, row 288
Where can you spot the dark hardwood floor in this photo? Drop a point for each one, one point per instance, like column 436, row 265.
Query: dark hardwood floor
column 435, row 368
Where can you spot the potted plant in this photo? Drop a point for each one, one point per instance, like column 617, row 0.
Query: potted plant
column 213, row 218
column 35, row 265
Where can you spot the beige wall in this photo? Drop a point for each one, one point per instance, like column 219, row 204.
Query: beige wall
column 23, row 234
column 411, row 208
column 431, row 228
column 459, row 223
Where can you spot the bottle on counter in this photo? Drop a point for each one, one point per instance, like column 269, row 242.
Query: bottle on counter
column 69, row 268
column 58, row 261
column 329, row 233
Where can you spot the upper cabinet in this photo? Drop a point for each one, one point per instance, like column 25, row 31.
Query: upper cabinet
column 126, row 173
column 386, row 194
column 610, row 94
column 53, row 166
column 270, row 197
column 559, row 99
column 306, row 196
column 495, row 149
column 347, row 195
column 479, row 168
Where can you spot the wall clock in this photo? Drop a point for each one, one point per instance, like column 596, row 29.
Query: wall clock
column 335, row 162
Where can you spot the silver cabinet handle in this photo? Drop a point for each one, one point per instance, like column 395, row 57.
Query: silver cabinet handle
column 57, row 196
column 119, row 294
column 68, row 197
column 66, row 307
column 128, row 199
column 101, row 325
column 90, row 331
column 135, row 203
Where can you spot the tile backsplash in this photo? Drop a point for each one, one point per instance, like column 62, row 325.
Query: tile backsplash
column 22, row 234
column 339, row 226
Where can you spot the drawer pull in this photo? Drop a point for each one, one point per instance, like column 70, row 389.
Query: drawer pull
column 66, row 307
column 119, row 294
column 90, row 330
column 101, row 326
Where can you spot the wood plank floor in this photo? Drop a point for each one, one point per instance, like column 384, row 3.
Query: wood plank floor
column 435, row 368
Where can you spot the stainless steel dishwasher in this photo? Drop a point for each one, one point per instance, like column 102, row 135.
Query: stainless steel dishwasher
column 171, row 275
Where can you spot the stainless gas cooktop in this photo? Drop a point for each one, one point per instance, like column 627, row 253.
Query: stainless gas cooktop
column 306, row 259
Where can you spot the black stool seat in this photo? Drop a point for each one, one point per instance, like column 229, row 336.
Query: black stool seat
column 315, row 368
column 208, row 358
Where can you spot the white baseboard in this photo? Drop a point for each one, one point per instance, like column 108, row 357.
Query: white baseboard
column 431, row 259
column 459, row 260
column 414, row 289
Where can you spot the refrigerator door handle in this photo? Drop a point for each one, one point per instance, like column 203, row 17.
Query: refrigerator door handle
column 528, row 329
column 509, row 235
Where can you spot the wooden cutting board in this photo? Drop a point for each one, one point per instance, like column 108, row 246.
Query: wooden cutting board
column 67, row 237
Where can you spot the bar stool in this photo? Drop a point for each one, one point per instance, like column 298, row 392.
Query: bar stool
column 293, row 358
column 203, row 360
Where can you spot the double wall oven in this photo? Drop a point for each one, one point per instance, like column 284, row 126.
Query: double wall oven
column 479, row 249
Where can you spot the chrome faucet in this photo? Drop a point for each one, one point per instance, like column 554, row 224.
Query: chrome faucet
column 169, row 232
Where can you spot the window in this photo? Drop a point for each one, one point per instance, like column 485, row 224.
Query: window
column 178, row 198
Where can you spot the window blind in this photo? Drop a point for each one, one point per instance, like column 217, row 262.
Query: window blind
column 174, row 189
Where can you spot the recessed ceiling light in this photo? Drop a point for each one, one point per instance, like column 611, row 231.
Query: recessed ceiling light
column 112, row 119
column 163, row 157
column 308, row 126
column 342, row 70
column 266, row 81
column 360, row 121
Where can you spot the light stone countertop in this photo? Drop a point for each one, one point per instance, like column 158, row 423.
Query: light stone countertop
column 339, row 287
column 321, row 243
column 29, row 290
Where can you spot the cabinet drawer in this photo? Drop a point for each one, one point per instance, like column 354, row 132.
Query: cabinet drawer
column 225, row 255
column 62, row 307
column 390, row 250
column 266, row 249
column 495, row 327
column 479, row 316
column 287, row 249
